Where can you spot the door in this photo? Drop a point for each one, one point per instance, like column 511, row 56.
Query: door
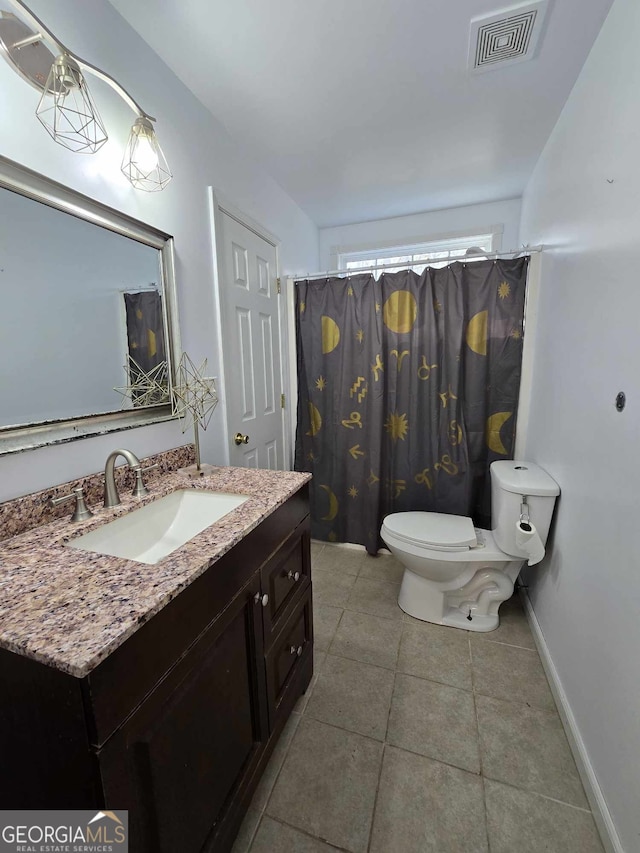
column 252, row 352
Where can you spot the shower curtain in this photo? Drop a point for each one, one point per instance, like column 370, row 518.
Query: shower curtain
column 408, row 390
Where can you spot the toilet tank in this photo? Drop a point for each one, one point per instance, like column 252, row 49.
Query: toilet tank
column 510, row 481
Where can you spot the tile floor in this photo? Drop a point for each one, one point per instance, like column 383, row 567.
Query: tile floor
column 415, row 738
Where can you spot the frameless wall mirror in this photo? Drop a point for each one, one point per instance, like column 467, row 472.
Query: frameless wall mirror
column 87, row 306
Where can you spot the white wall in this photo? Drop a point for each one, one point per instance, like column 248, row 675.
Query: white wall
column 200, row 153
column 422, row 226
column 583, row 204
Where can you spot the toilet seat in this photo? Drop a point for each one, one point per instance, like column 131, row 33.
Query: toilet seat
column 434, row 530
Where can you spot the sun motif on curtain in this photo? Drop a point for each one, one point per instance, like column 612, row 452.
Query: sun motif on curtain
column 408, row 390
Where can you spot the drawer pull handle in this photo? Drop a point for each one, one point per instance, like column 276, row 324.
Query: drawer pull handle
column 293, row 576
column 293, row 650
column 264, row 599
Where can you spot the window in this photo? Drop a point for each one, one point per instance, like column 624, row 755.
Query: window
column 437, row 253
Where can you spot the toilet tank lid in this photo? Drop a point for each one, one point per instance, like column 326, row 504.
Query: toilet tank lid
column 439, row 529
column 523, row 478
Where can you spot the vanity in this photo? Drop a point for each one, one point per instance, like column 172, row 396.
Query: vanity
column 161, row 689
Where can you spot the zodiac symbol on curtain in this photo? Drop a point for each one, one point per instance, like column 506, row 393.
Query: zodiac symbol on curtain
column 395, row 486
column 447, row 465
column 355, row 388
column 355, row 451
column 372, row 479
column 455, row 433
column 377, row 367
column 446, row 396
column 424, row 478
column 399, row 356
column 424, row 371
column 354, row 420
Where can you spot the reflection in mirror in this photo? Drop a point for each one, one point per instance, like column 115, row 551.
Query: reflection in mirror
column 87, row 314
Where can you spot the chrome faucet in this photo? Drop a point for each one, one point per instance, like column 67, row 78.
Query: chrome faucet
column 111, row 496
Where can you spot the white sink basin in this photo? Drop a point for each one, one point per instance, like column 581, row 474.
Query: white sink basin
column 150, row 533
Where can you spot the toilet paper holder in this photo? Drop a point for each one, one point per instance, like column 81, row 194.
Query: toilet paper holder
column 524, row 514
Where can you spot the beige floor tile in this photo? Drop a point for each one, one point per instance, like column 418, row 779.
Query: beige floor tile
column 316, row 549
column 378, row 598
column 268, row 780
column 328, row 783
column 427, row 807
column 527, row 747
column 527, row 823
column 384, row 567
column 435, row 652
column 275, row 837
column 370, row 639
column 331, row 588
column 353, row 696
column 346, row 561
column 434, row 720
column 513, row 628
column 506, row 672
column 325, row 623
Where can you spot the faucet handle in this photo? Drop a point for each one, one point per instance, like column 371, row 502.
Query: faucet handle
column 81, row 511
column 139, row 490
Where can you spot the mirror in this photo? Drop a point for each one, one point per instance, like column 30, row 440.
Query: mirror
column 87, row 306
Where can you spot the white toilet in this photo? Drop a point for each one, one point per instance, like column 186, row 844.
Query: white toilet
column 459, row 575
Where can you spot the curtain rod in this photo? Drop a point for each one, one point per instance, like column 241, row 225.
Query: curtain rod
column 524, row 252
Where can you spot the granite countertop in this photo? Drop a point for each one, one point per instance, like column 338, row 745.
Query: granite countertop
column 69, row 609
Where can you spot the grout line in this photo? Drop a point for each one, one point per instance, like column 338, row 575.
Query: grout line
column 308, row 834
column 482, row 776
column 538, row 794
column 375, row 799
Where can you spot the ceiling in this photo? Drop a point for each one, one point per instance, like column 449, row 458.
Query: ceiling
column 366, row 109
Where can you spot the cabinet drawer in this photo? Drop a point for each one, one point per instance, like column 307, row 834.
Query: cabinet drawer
column 284, row 577
column 291, row 649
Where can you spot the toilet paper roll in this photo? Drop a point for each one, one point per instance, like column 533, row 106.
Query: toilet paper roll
column 529, row 543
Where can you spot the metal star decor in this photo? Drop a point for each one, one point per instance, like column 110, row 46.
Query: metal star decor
column 194, row 398
column 145, row 388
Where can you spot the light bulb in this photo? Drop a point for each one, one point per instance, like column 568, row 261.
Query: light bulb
column 146, row 156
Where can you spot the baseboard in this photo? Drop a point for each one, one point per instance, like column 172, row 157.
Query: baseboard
column 599, row 808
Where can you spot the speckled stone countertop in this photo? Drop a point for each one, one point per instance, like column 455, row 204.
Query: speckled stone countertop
column 69, row 609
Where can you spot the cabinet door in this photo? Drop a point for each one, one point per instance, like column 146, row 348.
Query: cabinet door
column 181, row 760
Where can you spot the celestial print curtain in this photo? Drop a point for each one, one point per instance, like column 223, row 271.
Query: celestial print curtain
column 145, row 335
column 408, row 390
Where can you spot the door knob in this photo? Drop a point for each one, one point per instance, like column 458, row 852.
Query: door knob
column 239, row 438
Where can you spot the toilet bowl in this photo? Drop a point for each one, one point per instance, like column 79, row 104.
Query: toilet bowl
column 458, row 575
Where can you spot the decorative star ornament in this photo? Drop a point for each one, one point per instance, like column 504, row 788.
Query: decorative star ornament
column 145, row 388
column 194, row 395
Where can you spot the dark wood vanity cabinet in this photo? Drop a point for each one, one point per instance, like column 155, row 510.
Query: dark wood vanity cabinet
column 177, row 725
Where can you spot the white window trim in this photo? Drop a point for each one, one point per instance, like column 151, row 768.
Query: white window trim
column 339, row 255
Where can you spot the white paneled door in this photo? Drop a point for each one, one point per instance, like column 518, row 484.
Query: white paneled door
column 251, row 338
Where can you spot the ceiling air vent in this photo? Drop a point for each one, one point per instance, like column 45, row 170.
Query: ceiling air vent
column 506, row 37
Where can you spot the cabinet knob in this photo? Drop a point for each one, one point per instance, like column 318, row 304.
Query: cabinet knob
column 293, row 576
column 299, row 651
column 295, row 650
column 261, row 598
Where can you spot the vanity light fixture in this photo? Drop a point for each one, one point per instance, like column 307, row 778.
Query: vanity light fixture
column 66, row 108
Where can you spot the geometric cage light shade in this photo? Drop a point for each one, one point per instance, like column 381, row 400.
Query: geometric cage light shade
column 67, row 110
column 143, row 163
